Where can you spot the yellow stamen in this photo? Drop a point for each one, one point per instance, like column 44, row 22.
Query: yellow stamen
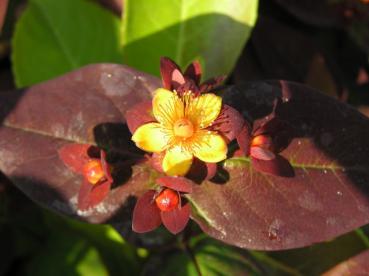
column 183, row 128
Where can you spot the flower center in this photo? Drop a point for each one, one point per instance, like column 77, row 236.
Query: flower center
column 183, row 128
column 93, row 171
column 167, row 200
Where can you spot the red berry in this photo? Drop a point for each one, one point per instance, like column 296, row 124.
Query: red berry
column 93, row 171
column 167, row 200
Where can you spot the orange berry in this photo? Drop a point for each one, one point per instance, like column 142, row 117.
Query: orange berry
column 167, row 200
column 93, row 171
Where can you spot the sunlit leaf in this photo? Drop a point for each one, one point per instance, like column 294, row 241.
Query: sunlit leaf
column 212, row 31
column 55, row 37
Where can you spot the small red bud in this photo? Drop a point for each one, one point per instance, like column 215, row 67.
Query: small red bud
column 167, row 200
column 93, row 171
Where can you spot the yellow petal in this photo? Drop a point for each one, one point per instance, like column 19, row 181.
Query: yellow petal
column 204, row 109
column 177, row 162
column 151, row 137
column 210, row 147
column 167, row 106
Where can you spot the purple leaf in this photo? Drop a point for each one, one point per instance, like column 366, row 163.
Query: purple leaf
column 179, row 184
column 327, row 197
column 175, row 221
column 90, row 195
column 146, row 215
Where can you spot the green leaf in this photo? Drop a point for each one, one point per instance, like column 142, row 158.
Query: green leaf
column 54, row 37
column 212, row 31
column 210, row 257
column 67, row 254
column 113, row 251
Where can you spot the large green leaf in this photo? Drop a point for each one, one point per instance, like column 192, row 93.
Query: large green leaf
column 205, row 256
column 54, row 37
column 212, row 31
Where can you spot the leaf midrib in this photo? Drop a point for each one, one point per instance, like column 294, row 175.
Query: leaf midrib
column 57, row 36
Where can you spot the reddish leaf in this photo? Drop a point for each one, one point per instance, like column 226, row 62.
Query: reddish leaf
column 105, row 166
column 244, row 138
column 278, row 166
column 358, row 265
column 175, row 221
column 75, row 156
column 138, row 115
column 86, row 107
column 327, row 197
column 167, row 69
column 262, row 154
column 229, row 123
column 156, row 161
column 179, row 184
column 90, row 195
column 3, row 8
column 146, row 215
column 211, row 84
column 194, row 72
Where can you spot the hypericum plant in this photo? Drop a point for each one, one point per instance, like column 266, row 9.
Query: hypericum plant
column 241, row 206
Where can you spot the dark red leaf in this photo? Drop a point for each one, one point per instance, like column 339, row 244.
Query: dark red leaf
column 179, row 184
column 357, row 265
column 91, row 195
column 175, row 221
column 229, row 123
column 86, row 106
column 146, row 215
column 261, row 153
column 167, row 67
column 279, row 166
column 139, row 114
column 211, row 84
column 156, row 161
column 244, row 138
column 105, row 166
column 194, row 72
column 328, row 195
column 3, row 9
column 75, row 156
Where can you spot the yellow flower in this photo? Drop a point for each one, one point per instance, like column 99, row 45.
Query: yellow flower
column 182, row 130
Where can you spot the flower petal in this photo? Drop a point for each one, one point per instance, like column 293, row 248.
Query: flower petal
column 210, row 147
column 177, row 162
column 146, row 215
column 204, row 109
column 167, row 107
column 151, row 137
column 180, row 184
column 175, row 221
